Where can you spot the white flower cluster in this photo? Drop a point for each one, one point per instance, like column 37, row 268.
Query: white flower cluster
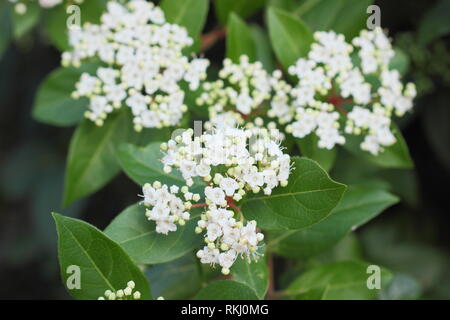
column 232, row 162
column 328, row 79
column 20, row 6
column 168, row 209
column 122, row 294
column 241, row 89
column 145, row 65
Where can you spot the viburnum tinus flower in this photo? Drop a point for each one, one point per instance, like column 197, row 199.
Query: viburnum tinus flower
column 168, row 209
column 334, row 95
column 232, row 162
column 143, row 65
column 242, row 90
column 122, row 294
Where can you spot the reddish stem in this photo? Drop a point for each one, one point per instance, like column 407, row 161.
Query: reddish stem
column 199, row 205
column 231, row 204
column 338, row 102
column 210, row 38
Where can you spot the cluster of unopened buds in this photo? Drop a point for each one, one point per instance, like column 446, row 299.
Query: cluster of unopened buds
column 329, row 80
column 230, row 163
column 122, row 294
column 145, row 66
column 241, row 90
column 168, row 208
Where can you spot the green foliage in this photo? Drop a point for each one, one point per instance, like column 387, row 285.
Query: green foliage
column 309, row 198
column 239, row 39
column 243, row 8
column 336, row 281
column 435, row 23
column 82, row 245
column 309, row 148
column 5, row 26
column 290, row 37
column 92, row 160
column 54, row 104
column 254, row 274
column 226, row 290
column 23, row 23
column 359, row 205
column 139, row 239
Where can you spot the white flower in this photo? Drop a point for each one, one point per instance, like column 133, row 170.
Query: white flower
column 215, row 195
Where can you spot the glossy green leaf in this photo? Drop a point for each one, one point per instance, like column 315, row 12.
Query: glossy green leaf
column 139, row 239
column 291, row 38
column 92, row 160
column 263, row 50
column 143, row 165
column 254, row 274
column 56, row 20
column 336, row 281
column 310, row 149
column 243, row 8
column 23, row 23
column 179, row 279
column 342, row 16
column 239, row 39
column 103, row 263
column 309, row 198
column 226, row 290
column 54, row 104
column 395, row 156
column 359, row 205
column 190, row 14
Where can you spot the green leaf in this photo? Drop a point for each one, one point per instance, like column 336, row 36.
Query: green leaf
column 309, row 198
column 143, row 165
column 92, row 158
column 226, row 290
column 359, row 205
column 291, row 38
column 395, row 156
column 56, row 21
column 435, row 23
column 190, row 14
column 54, row 104
column 342, row 16
column 336, row 281
column 176, row 280
column 23, row 23
column 263, row 50
column 5, row 26
column 310, row 149
column 254, row 274
column 400, row 61
column 239, row 39
column 139, row 239
column 102, row 262
column 243, row 8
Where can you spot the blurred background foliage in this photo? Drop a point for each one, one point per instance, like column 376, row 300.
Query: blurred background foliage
column 411, row 238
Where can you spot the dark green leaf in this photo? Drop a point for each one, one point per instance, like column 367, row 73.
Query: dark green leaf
column 263, row 50
column 291, row 38
column 400, row 61
column 310, row 149
column 243, row 8
column 253, row 274
column 179, row 279
column 359, row 205
column 54, row 104
column 23, row 23
column 239, row 39
column 336, row 281
column 190, row 14
column 395, row 156
column 102, row 262
column 92, row 160
column 5, row 26
column 226, row 290
column 435, row 23
column 309, row 198
column 139, row 239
